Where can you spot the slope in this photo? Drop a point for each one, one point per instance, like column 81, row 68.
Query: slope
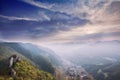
column 39, row 57
column 104, row 72
column 25, row 71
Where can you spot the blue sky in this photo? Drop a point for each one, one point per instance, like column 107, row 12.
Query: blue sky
column 59, row 21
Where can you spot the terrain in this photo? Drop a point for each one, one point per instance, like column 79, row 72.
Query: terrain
column 37, row 62
column 24, row 71
column 98, row 59
column 40, row 57
column 99, row 62
column 109, row 71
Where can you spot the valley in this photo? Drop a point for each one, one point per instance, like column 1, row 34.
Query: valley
column 57, row 67
column 59, row 39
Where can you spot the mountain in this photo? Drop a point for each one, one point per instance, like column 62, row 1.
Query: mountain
column 104, row 72
column 44, row 52
column 40, row 57
column 25, row 71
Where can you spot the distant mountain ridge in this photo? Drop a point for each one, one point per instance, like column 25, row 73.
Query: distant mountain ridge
column 104, row 72
column 101, row 52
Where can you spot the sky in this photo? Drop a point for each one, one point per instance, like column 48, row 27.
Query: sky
column 59, row 21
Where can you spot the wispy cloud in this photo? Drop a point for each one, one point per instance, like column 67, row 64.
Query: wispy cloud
column 36, row 29
column 38, row 4
column 17, row 18
column 44, row 16
column 81, row 20
column 94, row 32
column 87, row 9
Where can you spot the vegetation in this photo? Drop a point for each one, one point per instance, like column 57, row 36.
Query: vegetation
column 26, row 71
column 40, row 57
column 36, row 64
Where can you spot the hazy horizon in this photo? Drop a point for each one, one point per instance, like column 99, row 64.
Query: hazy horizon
column 70, row 28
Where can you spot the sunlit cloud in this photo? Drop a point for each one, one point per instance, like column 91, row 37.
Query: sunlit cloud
column 88, row 32
column 94, row 10
column 65, row 22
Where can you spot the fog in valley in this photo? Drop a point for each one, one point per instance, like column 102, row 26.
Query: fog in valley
column 104, row 50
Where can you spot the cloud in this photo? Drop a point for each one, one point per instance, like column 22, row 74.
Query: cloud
column 110, row 59
column 96, row 11
column 0, row 35
column 98, row 36
column 44, row 16
column 54, row 20
column 80, row 20
column 31, row 28
column 88, row 32
column 38, row 4
column 86, row 9
column 17, row 18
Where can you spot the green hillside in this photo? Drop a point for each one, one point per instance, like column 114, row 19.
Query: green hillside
column 42, row 58
column 25, row 71
column 42, row 51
